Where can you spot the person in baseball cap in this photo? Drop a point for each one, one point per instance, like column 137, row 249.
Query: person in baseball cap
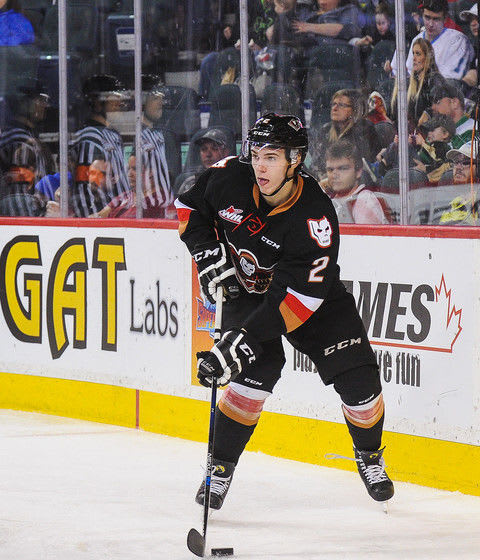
column 214, row 145
column 464, row 159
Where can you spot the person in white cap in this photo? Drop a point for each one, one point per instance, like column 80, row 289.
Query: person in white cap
column 471, row 16
column 463, row 209
column 464, row 161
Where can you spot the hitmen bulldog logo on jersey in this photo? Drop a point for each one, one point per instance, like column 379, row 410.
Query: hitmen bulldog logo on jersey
column 321, row 231
column 254, row 278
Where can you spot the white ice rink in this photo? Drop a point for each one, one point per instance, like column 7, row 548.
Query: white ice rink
column 72, row 490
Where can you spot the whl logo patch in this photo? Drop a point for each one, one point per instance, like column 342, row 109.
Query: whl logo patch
column 231, row 214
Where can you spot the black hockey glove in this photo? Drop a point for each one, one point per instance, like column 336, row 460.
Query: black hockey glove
column 215, row 267
column 233, row 352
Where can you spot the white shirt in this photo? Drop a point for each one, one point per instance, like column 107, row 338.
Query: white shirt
column 453, row 53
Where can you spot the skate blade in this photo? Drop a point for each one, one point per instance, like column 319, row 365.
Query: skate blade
column 385, row 506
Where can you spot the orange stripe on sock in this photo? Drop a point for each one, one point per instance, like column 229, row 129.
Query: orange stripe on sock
column 239, row 408
column 365, row 418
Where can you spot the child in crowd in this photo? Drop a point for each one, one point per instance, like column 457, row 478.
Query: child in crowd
column 383, row 30
column 432, row 152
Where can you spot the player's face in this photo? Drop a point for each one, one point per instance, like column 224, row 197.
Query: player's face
column 211, row 152
column 341, row 109
column 433, row 23
column 461, row 170
column 342, row 175
column 270, row 167
column 418, row 59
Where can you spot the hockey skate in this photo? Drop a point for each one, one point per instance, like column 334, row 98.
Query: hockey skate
column 222, row 473
column 371, row 467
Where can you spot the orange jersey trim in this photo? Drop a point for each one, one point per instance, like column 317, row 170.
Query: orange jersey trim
column 287, row 204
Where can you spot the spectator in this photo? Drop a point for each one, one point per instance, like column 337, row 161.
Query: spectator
column 449, row 100
column 464, row 163
column 377, row 108
column 453, row 51
column 344, row 170
column 424, row 77
column 15, row 29
column 463, row 209
column 125, row 205
column 471, row 17
column 335, row 21
column 95, row 194
column 98, row 140
column 27, row 108
column 347, row 122
column 383, row 30
column 261, row 14
column 213, row 145
column 432, row 151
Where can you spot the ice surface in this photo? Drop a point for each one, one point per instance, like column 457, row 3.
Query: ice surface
column 72, row 490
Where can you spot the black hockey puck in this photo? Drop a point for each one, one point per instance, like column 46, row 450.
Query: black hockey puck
column 222, row 551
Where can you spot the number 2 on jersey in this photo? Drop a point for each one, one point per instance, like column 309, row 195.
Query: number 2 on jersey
column 318, row 265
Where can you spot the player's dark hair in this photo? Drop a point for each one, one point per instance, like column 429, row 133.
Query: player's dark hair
column 344, row 149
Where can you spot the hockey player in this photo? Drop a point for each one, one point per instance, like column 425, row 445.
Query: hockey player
column 265, row 230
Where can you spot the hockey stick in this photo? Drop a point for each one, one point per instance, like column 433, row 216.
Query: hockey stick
column 195, row 541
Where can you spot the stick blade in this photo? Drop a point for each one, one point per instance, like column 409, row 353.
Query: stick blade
column 196, row 543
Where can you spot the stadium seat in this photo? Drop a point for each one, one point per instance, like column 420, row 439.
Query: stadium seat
column 34, row 11
column 391, row 182
column 381, row 52
column 18, row 63
column 82, row 28
column 226, row 108
column 181, row 114
column 386, row 133
column 228, row 58
column 283, row 99
column 48, row 75
column 173, row 154
column 339, row 63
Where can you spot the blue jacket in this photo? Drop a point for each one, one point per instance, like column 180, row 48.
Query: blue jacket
column 15, row 29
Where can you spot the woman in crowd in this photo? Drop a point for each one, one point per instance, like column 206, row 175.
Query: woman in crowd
column 347, row 122
column 425, row 76
column 15, row 29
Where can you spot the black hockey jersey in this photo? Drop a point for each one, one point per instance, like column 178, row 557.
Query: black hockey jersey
column 286, row 255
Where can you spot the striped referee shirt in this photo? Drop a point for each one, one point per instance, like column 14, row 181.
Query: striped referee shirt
column 155, row 166
column 16, row 148
column 93, row 142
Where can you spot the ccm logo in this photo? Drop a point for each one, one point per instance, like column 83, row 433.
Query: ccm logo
column 270, row 242
column 205, row 254
column 341, row 345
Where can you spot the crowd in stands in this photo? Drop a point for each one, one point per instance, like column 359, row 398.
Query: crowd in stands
column 332, row 63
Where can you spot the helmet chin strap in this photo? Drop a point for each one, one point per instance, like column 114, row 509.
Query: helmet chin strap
column 283, row 183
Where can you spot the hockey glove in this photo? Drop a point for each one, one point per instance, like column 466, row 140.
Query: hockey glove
column 230, row 355
column 214, row 267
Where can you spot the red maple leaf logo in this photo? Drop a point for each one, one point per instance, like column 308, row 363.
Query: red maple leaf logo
column 453, row 316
